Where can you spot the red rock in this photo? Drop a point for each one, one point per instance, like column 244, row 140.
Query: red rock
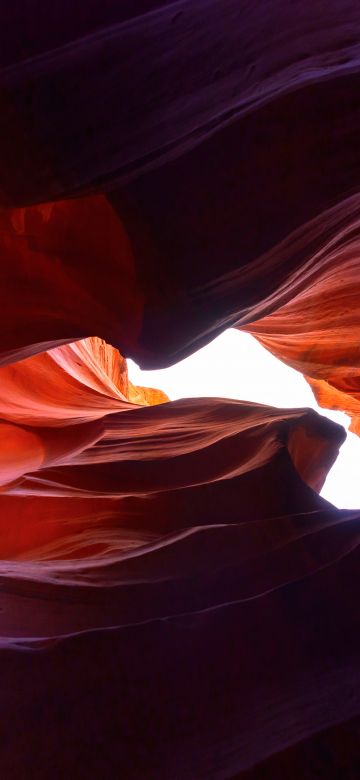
column 177, row 599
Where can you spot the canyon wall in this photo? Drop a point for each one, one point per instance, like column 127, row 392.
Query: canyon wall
column 177, row 600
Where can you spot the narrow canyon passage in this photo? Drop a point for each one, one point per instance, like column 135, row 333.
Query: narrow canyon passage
column 235, row 365
column 180, row 390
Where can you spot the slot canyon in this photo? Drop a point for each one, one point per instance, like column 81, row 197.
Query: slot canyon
column 178, row 601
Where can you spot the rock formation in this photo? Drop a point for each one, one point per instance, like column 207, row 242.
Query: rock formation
column 177, row 600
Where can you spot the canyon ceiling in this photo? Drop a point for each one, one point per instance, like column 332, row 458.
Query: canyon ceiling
column 177, row 600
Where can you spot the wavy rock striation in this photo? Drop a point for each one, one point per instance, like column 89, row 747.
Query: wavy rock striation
column 177, row 601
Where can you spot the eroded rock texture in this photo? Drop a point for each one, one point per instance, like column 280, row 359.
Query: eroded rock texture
column 148, row 577
column 177, row 601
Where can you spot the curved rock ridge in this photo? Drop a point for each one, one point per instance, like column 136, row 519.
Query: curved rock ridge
column 71, row 387
column 182, row 541
column 169, row 446
column 71, row 384
column 323, row 355
column 51, row 255
column 100, row 115
column 317, row 331
column 307, row 286
column 215, row 127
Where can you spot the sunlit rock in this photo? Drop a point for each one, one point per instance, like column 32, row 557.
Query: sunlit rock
column 177, row 600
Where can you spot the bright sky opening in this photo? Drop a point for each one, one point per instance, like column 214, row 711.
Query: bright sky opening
column 235, row 365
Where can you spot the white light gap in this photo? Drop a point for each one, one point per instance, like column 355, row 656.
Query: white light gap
column 235, row 365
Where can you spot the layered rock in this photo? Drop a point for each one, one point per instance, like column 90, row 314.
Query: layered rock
column 177, row 600
column 180, row 576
